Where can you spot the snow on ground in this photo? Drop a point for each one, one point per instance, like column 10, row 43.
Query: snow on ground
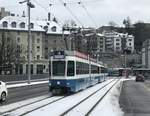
column 21, row 111
column 8, row 107
column 108, row 107
column 110, row 104
column 81, row 110
column 59, row 107
column 26, row 84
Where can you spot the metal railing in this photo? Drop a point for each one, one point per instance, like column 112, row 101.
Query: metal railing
column 10, row 78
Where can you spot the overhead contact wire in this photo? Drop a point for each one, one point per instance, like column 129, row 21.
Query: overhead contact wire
column 74, row 16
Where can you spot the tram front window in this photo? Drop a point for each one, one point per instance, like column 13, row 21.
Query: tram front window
column 59, row 68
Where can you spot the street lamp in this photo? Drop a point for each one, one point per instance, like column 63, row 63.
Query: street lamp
column 29, row 5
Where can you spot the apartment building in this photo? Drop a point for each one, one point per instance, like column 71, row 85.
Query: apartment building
column 45, row 37
column 116, row 42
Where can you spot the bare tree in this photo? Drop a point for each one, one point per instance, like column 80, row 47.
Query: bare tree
column 10, row 54
column 70, row 23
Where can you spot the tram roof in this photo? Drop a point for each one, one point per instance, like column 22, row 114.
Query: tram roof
column 77, row 54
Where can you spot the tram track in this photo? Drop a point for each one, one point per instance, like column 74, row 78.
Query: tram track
column 56, row 99
column 6, row 113
column 88, row 113
column 76, row 104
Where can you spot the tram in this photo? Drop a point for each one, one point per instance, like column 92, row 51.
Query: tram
column 72, row 71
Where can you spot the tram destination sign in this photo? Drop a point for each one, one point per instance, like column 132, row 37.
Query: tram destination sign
column 59, row 55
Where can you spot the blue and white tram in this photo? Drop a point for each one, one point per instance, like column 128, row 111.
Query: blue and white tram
column 73, row 71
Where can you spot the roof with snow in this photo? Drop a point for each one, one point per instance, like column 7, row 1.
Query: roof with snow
column 21, row 23
column 18, row 23
column 99, row 34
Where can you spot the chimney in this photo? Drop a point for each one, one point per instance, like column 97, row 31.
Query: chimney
column 49, row 16
column 23, row 14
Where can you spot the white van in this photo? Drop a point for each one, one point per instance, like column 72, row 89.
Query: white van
column 3, row 91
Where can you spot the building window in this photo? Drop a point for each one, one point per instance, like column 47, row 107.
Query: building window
column 117, row 43
column 22, row 25
column 129, row 44
column 38, row 34
column 54, row 29
column 18, row 39
column 38, row 48
column 117, row 39
column 130, row 39
column 5, row 24
column 46, row 28
column 18, row 32
column 8, row 39
column 13, row 24
column 38, row 57
column 39, row 69
column 38, row 40
column 31, row 25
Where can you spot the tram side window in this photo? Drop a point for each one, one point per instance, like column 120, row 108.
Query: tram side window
column 94, row 69
column 50, row 68
column 82, row 68
column 70, row 68
column 78, row 67
column 58, row 68
column 86, row 68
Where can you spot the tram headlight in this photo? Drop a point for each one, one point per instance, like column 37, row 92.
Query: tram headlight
column 50, row 84
column 68, row 83
column 58, row 83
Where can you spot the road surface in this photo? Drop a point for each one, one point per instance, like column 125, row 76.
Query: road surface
column 26, row 92
column 135, row 98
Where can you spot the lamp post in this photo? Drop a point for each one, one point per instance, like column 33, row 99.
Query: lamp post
column 29, row 5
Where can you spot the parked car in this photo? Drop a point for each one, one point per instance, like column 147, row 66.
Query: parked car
column 140, row 77
column 3, row 91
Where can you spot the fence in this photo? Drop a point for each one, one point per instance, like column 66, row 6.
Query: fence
column 10, row 78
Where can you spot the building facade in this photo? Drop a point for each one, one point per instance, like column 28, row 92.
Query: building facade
column 146, row 54
column 116, row 42
column 45, row 37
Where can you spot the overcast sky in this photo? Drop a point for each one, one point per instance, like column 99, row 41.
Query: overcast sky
column 101, row 11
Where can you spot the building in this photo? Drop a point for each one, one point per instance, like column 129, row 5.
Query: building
column 100, row 43
column 146, row 54
column 116, row 42
column 45, row 37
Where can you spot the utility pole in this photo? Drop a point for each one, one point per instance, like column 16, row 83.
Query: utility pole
column 125, row 65
column 29, row 5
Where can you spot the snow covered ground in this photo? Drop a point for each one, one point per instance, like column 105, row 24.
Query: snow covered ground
column 108, row 107
column 25, row 84
column 110, row 104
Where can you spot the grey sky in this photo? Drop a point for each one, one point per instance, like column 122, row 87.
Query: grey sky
column 102, row 11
